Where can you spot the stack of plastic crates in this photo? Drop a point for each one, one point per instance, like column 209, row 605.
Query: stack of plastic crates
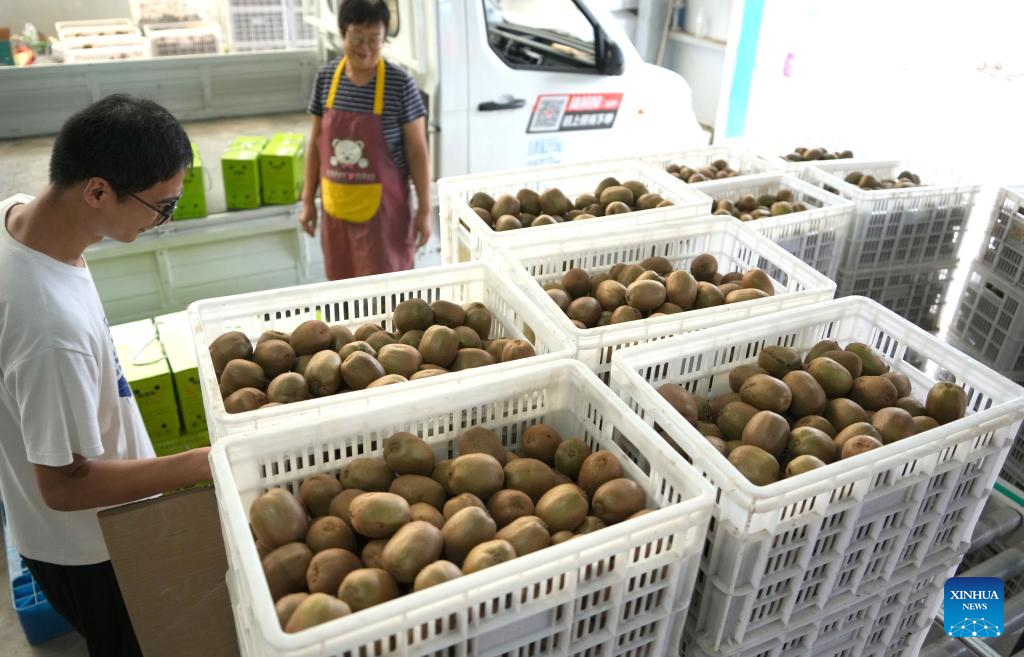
column 903, row 243
column 989, row 319
column 169, row 39
column 37, row 617
column 849, row 559
column 147, row 12
column 104, row 39
column 267, row 25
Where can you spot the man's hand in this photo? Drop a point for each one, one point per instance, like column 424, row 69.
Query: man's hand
column 307, row 218
column 422, row 223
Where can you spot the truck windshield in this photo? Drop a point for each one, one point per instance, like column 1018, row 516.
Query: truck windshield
column 547, row 34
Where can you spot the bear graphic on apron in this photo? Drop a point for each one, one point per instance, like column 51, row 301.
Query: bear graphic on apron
column 367, row 225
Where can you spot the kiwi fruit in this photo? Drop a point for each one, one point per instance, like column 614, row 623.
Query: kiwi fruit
column 239, row 373
column 367, row 587
column 275, row 357
column 227, row 347
column 360, row 369
column 288, row 388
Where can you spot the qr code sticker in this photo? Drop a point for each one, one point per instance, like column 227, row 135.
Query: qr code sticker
column 548, row 114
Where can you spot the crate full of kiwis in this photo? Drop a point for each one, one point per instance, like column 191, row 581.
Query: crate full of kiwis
column 804, row 219
column 712, row 163
column 904, row 214
column 841, row 467
column 273, row 357
column 489, row 513
column 619, row 287
column 516, row 209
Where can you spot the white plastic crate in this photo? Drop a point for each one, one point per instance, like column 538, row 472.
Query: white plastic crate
column 353, row 302
column 1013, row 471
column 623, row 590
column 915, row 292
column 169, row 39
column 989, row 320
column 737, row 248
column 906, row 614
column 1012, row 495
column 168, row 11
column 1003, row 249
column 901, row 226
column 465, row 236
column 739, row 159
column 779, row 553
column 816, row 236
column 267, row 25
column 863, row 627
column 300, row 33
column 99, row 27
column 81, row 50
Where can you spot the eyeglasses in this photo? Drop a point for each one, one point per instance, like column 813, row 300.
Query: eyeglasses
column 374, row 43
column 165, row 212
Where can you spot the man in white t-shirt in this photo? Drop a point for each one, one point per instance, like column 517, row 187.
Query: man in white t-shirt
column 71, row 437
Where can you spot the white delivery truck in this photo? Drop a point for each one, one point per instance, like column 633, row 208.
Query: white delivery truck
column 515, row 83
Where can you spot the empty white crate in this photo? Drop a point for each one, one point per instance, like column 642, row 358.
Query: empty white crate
column 169, row 39
column 352, row 302
column 104, row 39
column 168, row 11
column 895, row 227
column 623, row 590
column 267, row 25
column 816, row 236
column 1003, row 249
column 465, row 236
column 739, row 159
column 915, row 292
column 989, row 321
column 737, row 248
column 794, row 549
column 98, row 27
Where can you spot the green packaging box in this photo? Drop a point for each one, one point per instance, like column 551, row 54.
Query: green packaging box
column 146, row 369
column 282, row 165
column 176, row 338
column 240, row 167
column 193, row 191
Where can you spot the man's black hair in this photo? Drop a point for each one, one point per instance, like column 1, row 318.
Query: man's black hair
column 363, row 12
column 130, row 142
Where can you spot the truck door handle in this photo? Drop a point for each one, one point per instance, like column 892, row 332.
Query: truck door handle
column 494, row 105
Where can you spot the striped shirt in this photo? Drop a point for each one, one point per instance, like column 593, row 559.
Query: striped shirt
column 402, row 102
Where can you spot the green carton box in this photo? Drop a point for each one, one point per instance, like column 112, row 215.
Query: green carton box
column 282, row 165
column 162, row 427
column 146, row 369
column 240, row 167
column 193, row 191
column 176, row 338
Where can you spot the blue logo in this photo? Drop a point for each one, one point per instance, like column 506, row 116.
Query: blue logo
column 973, row 606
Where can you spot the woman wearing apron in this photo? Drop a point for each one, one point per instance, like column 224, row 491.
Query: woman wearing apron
column 368, row 136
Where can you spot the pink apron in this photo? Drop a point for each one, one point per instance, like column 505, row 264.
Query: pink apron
column 367, row 225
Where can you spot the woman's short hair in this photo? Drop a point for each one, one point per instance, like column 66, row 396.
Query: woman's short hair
column 363, row 12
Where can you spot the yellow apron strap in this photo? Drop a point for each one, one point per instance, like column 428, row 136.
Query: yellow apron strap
column 334, row 82
column 378, row 94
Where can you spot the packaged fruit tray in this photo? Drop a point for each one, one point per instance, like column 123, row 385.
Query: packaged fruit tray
column 915, row 292
column 733, row 160
column 815, row 235
column 354, row 304
column 916, row 224
column 623, row 589
column 1003, row 250
column 868, row 625
column 782, row 551
column 466, row 236
column 736, row 247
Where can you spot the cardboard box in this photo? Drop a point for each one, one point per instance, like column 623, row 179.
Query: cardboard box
column 282, row 167
column 176, row 337
column 168, row 556
column 145, row 367
column 240, row 167
column 162, row 425
column 193, row 191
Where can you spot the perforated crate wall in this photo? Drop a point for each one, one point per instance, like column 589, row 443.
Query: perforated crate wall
column 916, row 292
column 989, row 319
column 1003, row 249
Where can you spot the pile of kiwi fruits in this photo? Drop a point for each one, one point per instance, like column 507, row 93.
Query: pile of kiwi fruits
column 717, row 170
column 652, row 288
column 747, row 207
column 787, row 415
column 317, row 360
column 387, row 526
column 866, row 181
column 528, row 208
column 803, row 154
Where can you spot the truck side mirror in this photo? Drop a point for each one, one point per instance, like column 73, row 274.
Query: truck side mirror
column 611, row 61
